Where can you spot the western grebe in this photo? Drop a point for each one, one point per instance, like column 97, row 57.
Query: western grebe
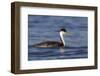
column 50, row 44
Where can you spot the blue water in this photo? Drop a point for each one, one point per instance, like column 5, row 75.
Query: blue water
column 46, row 28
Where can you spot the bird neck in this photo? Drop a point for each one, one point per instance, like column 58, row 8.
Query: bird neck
column 62, row 38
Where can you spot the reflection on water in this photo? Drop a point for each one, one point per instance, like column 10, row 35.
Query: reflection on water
column 46, row 28
column 62, row 50
column 57, row 53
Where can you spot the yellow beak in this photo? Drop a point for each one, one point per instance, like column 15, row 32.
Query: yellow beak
column 67, row 33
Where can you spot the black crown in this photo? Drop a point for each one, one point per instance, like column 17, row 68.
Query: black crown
column 63, row 29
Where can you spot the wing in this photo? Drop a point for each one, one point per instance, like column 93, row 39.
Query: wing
column 48, row 44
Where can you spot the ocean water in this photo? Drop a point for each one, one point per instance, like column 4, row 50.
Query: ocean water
column 43, row 28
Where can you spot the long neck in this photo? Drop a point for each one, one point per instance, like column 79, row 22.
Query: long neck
column 62, row 38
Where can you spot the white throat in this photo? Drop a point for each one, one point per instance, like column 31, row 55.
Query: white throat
column 62, row 37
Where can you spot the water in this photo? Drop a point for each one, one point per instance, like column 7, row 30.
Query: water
column 46, row 28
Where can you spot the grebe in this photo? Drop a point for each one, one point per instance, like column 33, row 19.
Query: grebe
column 51, row 44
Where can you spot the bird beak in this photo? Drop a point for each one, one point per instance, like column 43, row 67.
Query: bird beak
column 67, row 33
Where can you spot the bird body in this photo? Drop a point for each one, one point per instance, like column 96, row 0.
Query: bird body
column 51, row 44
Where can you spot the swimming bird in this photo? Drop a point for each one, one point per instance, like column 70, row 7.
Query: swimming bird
column 50, row 44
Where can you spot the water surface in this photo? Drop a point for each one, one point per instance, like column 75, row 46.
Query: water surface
column 46, row 28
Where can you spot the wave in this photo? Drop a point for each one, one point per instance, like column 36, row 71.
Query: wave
column 66, row 47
